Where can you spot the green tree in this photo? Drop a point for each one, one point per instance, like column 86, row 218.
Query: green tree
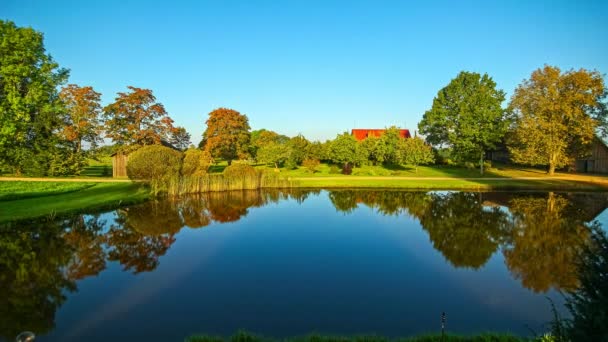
column 556, row 116
column 227, row 135
column 344, row 149
column 386, row 148
column 467, row 116
column 274, row 153
column 31, row 112
column 415, row 151
column 135, row 118
column 299, row 150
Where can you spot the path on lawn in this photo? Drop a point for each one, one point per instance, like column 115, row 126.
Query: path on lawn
column 80, row 180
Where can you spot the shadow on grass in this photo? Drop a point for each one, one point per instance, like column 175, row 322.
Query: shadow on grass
column 97, row 171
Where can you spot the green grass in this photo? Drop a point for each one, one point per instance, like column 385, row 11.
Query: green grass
column 247, row 337
column 98, row 196
column 24, row 189
column 98, row 168
column 455, row 184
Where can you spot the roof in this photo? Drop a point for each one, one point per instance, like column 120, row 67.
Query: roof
column 362, row 133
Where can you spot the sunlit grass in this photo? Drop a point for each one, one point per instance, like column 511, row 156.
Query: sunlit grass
column 98, row 196
column 26, row 189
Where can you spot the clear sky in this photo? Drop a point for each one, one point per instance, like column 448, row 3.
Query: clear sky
column 313, row 67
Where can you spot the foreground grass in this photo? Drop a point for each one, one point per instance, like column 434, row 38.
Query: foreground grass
column 25, row 189
column 97, row 196
column 247, row 337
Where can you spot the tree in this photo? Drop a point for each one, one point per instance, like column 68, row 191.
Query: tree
column 274, row 153
column 83, row 115
column 196, row 162
column 263, row 137
column 180, row 138
column 227, row 135
column 385, row 149
column 30, row 109
column 344, row 149
column 467, row 116
column 300, row 150
column 415, row 151
column 556, row 116
column 135, row 118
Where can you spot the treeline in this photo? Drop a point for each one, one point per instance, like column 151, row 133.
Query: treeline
column 50, row 128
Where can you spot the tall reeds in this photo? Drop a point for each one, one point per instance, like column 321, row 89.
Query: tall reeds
column 226, row 182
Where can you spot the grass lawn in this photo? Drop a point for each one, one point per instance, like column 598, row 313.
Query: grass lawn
column 25, row 189
column 98, row 196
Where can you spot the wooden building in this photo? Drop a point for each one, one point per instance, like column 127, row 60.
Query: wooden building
column 119, row 164
column 361, row 134
column 597, row 162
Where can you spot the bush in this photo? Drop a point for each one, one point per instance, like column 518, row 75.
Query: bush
column 311, row 164
column 334, row 170
column 239, row 170
column 469, row 165
column 196, row 162
column 155, row 164
column 487, row 164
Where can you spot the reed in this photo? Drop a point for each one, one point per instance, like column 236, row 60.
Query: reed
column 226, row 182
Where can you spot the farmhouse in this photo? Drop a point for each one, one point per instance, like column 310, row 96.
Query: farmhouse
column 362, row 133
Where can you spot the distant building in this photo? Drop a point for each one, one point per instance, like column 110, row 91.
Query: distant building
column 363, row 133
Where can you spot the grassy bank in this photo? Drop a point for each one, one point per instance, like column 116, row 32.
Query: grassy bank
column 247, row 337
column 450, row 184
column 47, row 203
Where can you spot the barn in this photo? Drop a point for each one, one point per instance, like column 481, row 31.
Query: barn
column 363, row 133
column 597, row 162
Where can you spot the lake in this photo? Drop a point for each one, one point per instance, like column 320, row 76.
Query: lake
column 291, row 263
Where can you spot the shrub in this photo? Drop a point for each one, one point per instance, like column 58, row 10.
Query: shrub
column 334, row 170
column 155, row 164
column 196, row 162
column 487, row 164
column 311, row 164
column 239, row 170
column 469, row 165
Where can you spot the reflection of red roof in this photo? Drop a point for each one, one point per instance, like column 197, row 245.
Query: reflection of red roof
column 361, row 134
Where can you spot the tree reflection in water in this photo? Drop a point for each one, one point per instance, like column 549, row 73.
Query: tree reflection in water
column 540, row 235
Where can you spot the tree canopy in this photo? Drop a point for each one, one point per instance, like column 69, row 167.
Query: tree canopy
column 30, row 109
column 467, row 116
column 557, row 115
column 135, row 118
column 227, row 135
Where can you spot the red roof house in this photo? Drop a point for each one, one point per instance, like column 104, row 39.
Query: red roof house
column 361, row 134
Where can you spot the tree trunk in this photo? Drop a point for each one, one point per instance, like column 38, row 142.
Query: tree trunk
column 551, row 171
column 481, row 162
column 416, row 168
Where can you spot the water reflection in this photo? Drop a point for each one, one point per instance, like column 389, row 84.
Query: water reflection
column 539, row 234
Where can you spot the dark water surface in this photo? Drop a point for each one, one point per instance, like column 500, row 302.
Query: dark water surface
column 291, row 263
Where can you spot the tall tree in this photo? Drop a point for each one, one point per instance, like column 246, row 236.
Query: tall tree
column 556, row 116
column 30, row 108
column 227, row 135
column 135, row 118
column 274, row 153
column 467, row 116
column 82, row 122
column 345, row 149
column 180, row 138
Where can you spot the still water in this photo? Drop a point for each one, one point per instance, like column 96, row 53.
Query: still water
column 291, row 263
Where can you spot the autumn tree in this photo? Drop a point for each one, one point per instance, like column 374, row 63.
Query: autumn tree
column 30, row 109
column 180, row 138
column 467, row 116
column 556, row 116
column 135, row 118
column 83, row 122
column 415, row 151
column 227, row 135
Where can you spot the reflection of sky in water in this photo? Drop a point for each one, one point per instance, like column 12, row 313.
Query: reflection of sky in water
column 290, row 269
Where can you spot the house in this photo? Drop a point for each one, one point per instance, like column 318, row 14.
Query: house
column 597, row 161
column 362, row 133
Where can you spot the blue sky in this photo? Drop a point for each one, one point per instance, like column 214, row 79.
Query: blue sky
column 313, row 67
